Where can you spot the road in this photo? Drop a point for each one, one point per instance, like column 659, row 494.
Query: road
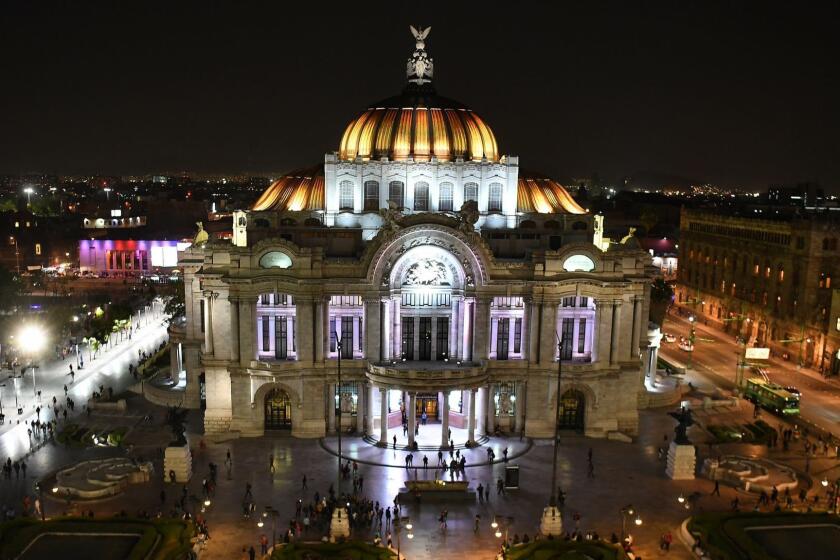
column 717, row 361
column 110, row 369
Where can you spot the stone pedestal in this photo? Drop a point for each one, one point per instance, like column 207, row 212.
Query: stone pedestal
column 179, row 460
column 339, row 526
column 551, row 522
column 681, row 462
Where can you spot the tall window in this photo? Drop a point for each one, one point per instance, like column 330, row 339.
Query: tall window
column 442, row 345
column 280, row 338
column 408, row 338
column 371, row 196
column 347, row 338
column 495, row 202
column 345, row 195
column 566, row 335
column 421, row 196
column 395, row 193
column 502, row 334
column 471, row 191
column 581, row 336
column 517, row 336
column 201, row 312
column 266, row 343
column 445, row 197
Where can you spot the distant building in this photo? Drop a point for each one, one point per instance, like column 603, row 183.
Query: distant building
column 771, row 281
column 128, row 257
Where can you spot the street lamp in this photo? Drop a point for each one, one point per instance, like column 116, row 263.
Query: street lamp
column 31, row 340
column 628, row 511
column 107, row 193
column 28, row 191
column 552, row 522
column 13, row 239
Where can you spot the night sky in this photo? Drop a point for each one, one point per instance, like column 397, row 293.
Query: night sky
column 739, row 93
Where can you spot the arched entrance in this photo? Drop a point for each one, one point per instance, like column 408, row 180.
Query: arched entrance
column 572, row 408
column 278, row 410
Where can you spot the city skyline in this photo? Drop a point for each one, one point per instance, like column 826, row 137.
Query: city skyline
column 683, row 91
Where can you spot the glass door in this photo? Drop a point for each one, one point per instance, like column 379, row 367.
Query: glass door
column 425, row 338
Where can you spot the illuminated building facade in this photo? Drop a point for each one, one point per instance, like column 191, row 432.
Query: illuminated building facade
column 442, row 274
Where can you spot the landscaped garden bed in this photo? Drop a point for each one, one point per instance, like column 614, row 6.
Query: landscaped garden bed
column 565, row 550
column 351, row 550
column 159, row 539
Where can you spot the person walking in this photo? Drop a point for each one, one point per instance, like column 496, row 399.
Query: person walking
column 480, row 492
column 252, row 553
column 271, row 463
column 477, row 523
column 303, row 483
column 590, row 471
column 395, row 441
column 425, row 462
column 263, row 544
column 716, row 491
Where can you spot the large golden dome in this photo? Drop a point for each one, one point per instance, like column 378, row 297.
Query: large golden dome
column 418, row 124
column 299, row 190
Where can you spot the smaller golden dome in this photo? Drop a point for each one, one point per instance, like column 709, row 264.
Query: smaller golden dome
column 296, row 191
column 538, row 194
column 418, row 125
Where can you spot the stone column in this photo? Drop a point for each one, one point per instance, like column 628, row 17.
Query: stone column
column 638, row 324
column 519, row 406
column 321, row 327
column 361, row 407
column 411, row 413
column 330, row 408
column 208, row 322
column 471, row 419
column 444, row 424
column 373, row 323
column 616, row 330
column 247, row 328
column 234, row 329
column 604, row 311
column 383, row 416
column 396, row 329
column 481, row 348
column 304, row 329
column 490, row 425
column 548, row 332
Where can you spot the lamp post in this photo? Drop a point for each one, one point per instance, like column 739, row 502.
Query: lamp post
column 552, row 522
column 31, row 341
column 628, row 511
column 13, row 239
column 28, row 191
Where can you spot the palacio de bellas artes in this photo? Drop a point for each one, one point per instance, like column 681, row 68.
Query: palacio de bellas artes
column 445, row 277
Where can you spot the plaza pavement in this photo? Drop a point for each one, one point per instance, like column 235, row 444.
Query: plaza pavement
column 624, row 474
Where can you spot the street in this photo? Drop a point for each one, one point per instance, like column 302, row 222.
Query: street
column 717, row 361
column 110, row 369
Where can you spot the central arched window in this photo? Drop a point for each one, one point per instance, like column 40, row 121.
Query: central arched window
column 371, row 196
column 421, row 196
column 395, row 193
column 445, row 197
column 494, row 203
column 345, row 199
column 470, row 191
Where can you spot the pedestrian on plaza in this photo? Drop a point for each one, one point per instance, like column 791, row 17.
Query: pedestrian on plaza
column 252, row 553
column 487, row 493
column 303, row 483
column 387, row 518
column 477, row 523
column 395, row 441
column 716, row 491
column 505, row 454
column 590, row 471
column 65, row 390
column 440, row 457
column 405, row 429
column 425, row 462
column 23, row 468
column 271, row 463
column 248, row 494
column 500, row 486
column 480, row 492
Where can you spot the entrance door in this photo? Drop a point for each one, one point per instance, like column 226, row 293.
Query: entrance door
column 425, row 339
column 427, row 403
column 502, row 339
column 278, row 410
column 442, row 346
column 572, row 407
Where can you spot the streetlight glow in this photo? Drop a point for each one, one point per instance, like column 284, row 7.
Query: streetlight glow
column 32, row 338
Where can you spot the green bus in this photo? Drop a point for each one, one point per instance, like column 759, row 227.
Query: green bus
column 772, row 397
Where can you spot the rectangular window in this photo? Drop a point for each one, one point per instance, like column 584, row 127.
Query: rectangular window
column 265, row 299
column 333, row 334
column 517, row 336
column 421, row 197
column 581, row 345
column 408, row 338
column 445, row 197
column 201, row 312
column 442, row 345
column 568, row 302
column 346, row 195
column 471, row 191
column 266, row 343
column 360, row 346
column 502, row 337
column 280, row 338
column 494, row 204
column 371, row 196
column 347, row 338
column 37, row 248
column 566, row 338
column 294, row 342
column 395, row 193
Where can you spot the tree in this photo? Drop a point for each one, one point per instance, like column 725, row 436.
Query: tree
column 661, row 296
column 648, row 218
column 9, row 288
column 175, row 305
